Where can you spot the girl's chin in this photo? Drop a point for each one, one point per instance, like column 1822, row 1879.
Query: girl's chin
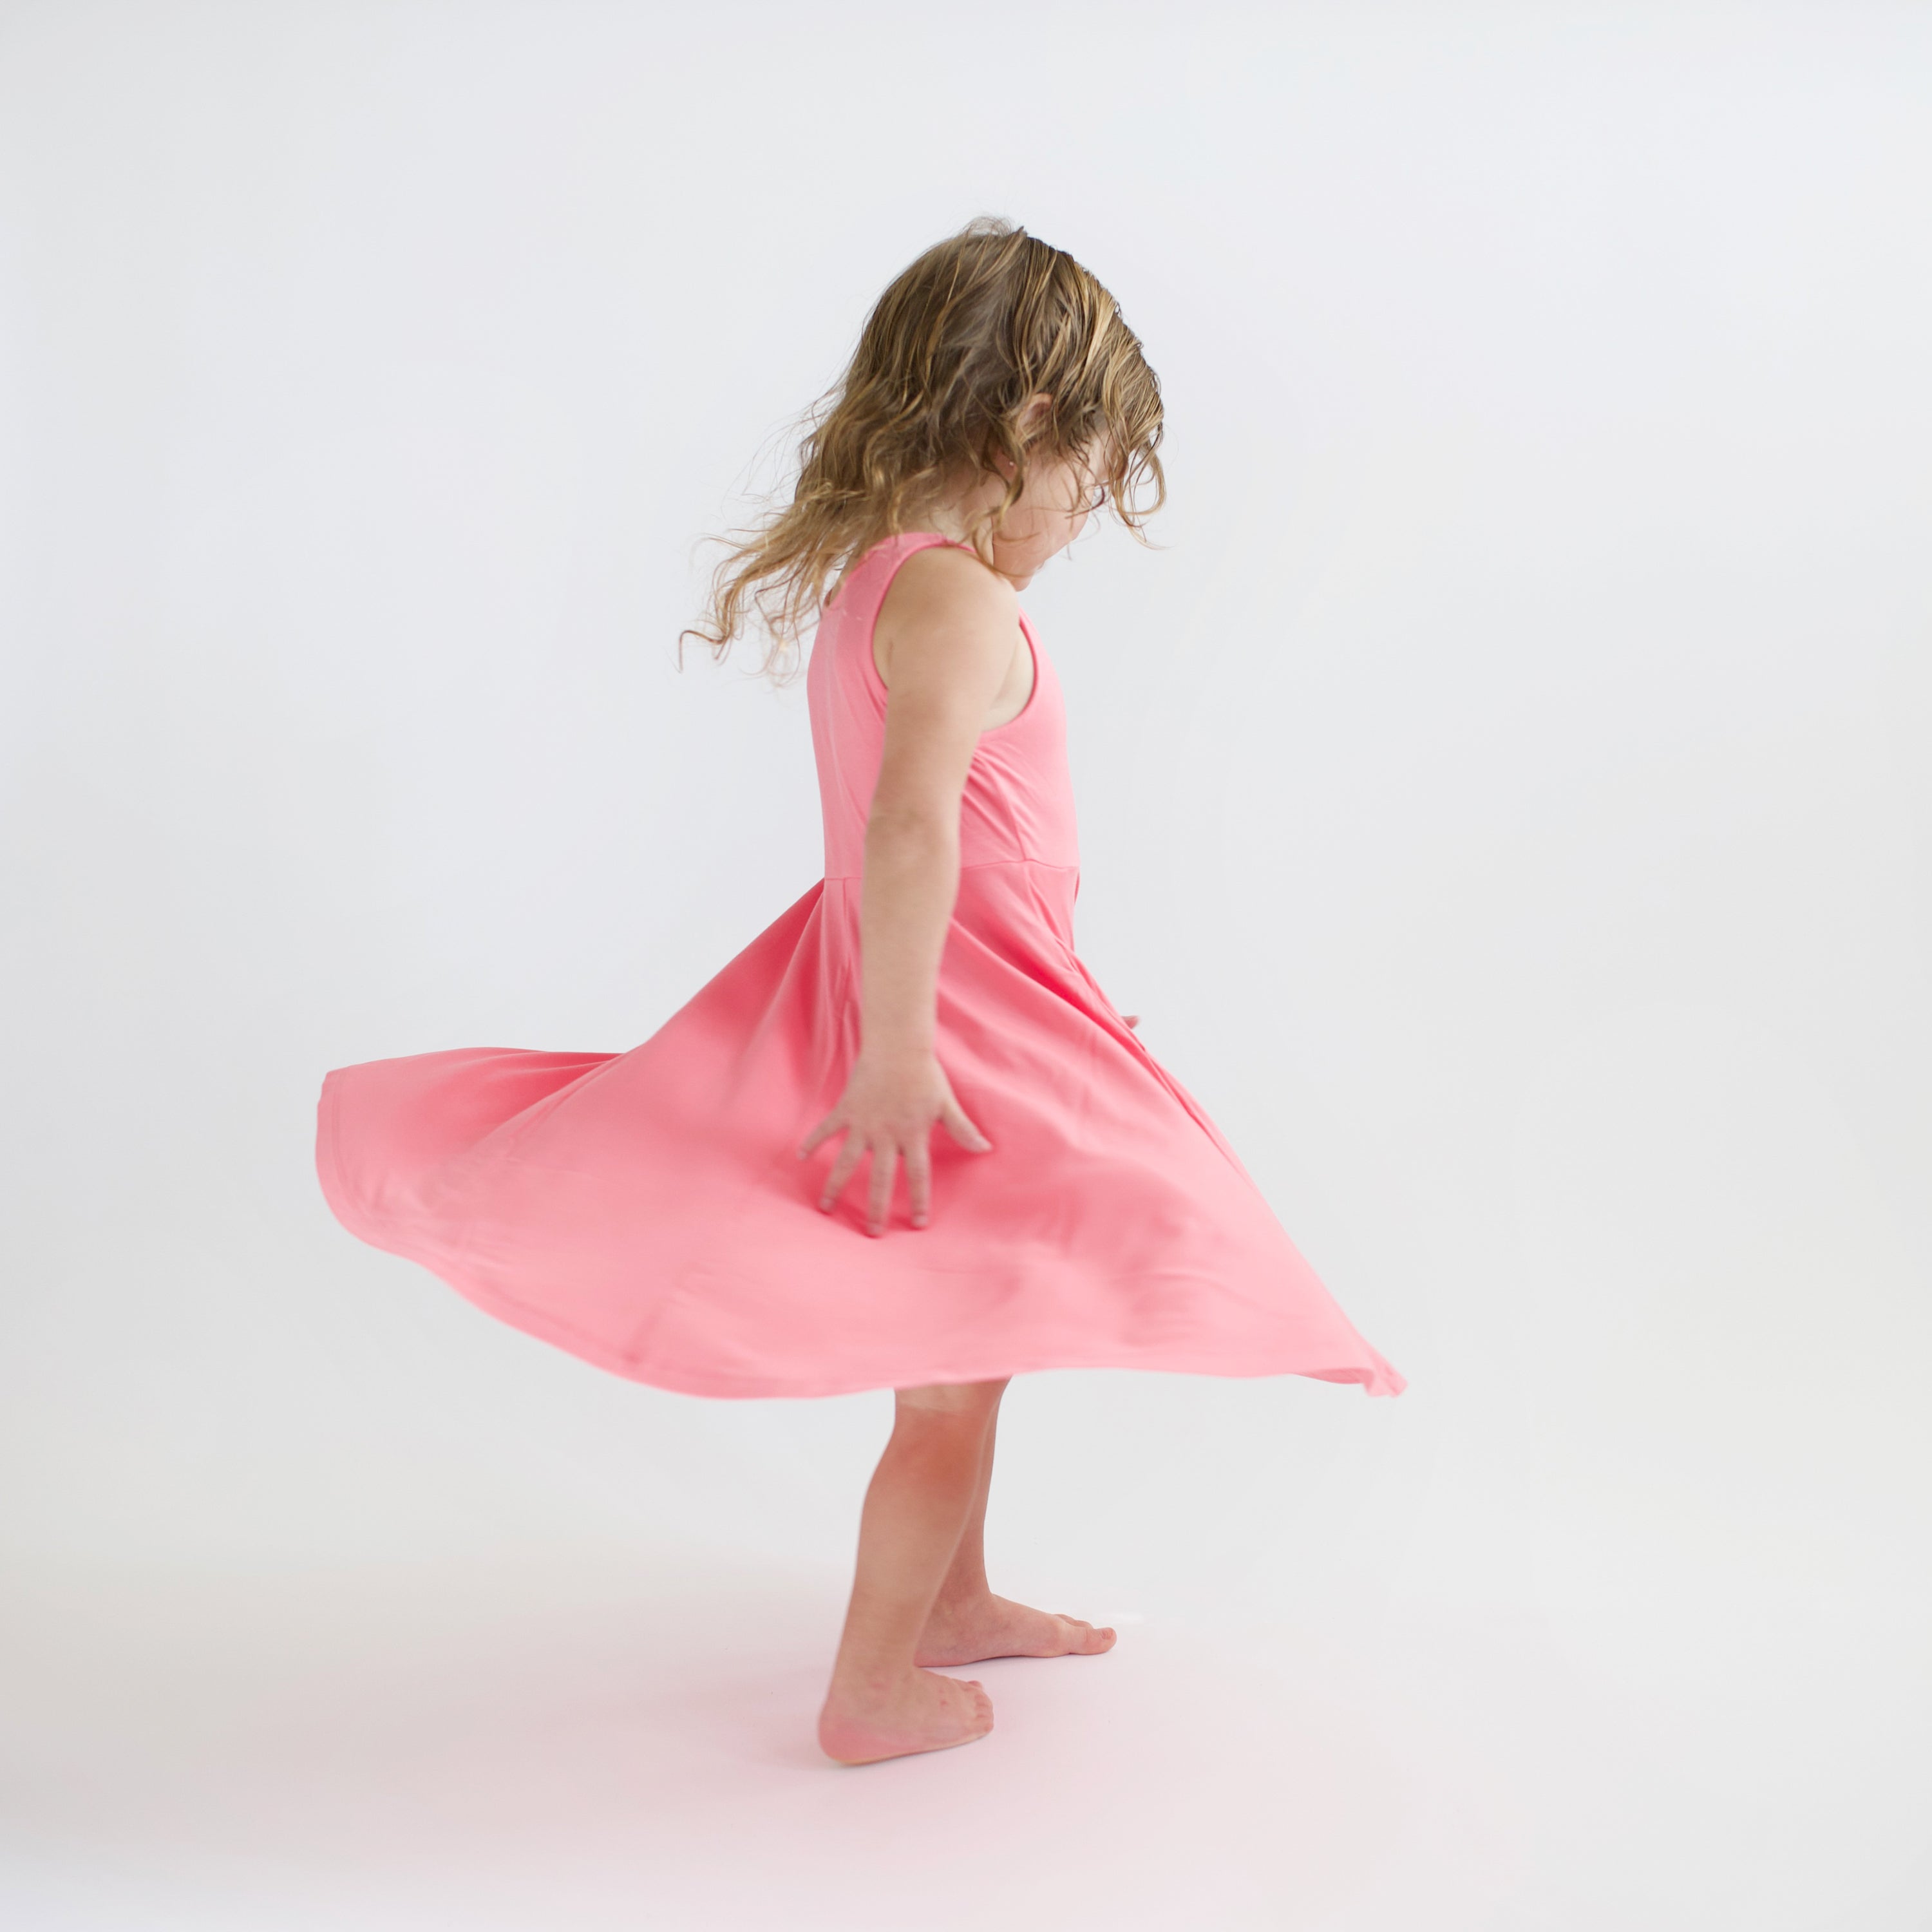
column 1020, row 570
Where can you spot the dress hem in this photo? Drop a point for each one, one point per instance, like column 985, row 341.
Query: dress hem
column 1376, row 1378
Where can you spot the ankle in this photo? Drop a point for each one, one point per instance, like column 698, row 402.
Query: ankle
column 859, row 1698
column 958, row 1597
column 866, row 1680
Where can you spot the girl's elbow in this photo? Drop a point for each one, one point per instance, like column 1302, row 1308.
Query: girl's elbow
column 918, row 825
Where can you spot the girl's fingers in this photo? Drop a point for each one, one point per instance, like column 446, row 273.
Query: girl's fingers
column 886, row 1153
column 841, row 1170
column 879, row 1201
column 962, row 1129
column 918, row 1181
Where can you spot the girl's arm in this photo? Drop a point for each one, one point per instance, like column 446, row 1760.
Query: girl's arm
column 947, row 632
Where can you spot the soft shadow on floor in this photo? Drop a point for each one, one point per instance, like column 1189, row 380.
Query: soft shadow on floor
column 586, row 1750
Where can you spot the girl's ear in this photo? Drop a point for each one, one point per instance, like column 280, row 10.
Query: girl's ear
column 1039, row 409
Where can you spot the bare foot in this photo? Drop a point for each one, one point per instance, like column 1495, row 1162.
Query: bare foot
column 989, row 1626
column 919, row 1712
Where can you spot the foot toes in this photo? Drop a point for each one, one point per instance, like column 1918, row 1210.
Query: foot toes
column 1085, row 1639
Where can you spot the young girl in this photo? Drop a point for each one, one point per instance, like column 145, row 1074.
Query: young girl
column 717, row 1210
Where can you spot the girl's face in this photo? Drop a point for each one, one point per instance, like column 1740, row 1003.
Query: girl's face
column 1061, row 494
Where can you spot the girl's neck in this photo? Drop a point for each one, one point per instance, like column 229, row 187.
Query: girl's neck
column 957, row 512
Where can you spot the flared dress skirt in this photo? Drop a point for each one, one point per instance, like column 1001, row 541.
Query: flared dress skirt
column 647, row 1210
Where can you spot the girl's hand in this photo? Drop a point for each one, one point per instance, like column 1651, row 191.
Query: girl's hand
column 887, row 1110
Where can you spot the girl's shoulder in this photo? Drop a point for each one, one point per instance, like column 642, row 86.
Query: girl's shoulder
column 936, row 577
column 936, row 564
column 944, row 603
column 882, row 561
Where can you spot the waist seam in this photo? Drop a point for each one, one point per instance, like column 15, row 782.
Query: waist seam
column 976, row 866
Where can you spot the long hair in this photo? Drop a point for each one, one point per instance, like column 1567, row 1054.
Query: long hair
column 939, row 386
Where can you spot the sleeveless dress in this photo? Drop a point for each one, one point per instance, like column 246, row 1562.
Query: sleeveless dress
column 648, row 1211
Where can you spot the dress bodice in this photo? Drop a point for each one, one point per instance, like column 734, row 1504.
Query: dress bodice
column 1018, row 805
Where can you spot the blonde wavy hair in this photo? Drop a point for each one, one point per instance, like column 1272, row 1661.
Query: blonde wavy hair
column 939, row 387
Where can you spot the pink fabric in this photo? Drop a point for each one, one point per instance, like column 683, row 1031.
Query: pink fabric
column 646, row 1210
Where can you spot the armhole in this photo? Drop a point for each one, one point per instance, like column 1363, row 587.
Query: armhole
column 1032, row 693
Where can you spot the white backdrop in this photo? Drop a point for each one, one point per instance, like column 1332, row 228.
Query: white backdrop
column 1504, row 792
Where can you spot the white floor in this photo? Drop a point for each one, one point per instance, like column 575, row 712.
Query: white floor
column 392, row 1753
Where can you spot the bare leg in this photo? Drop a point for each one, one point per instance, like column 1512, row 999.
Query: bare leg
column 881, row 1703
column 966, row 1577
column 968, row 1623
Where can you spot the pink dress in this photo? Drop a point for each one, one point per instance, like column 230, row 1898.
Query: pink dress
column 647, row 1210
